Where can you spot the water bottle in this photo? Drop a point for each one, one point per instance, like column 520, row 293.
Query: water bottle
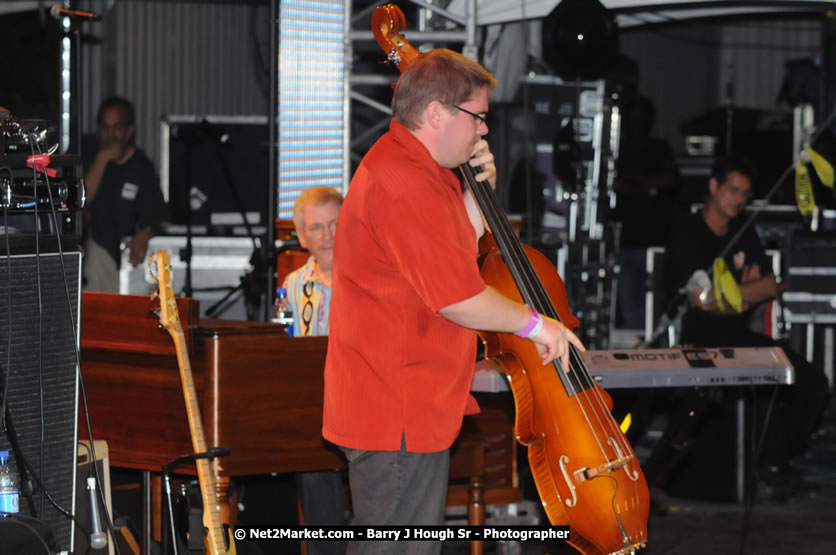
column 281, row 310
column 8, row 486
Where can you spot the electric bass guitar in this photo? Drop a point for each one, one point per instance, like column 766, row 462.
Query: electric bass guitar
column 216, row 541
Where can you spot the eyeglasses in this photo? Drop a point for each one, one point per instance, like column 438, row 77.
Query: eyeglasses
column 319, row 229
column 734, row 190
column 478, row 117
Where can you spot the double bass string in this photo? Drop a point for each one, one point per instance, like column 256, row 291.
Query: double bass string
column 529, row 284
column 534, row 294
column 531, row 289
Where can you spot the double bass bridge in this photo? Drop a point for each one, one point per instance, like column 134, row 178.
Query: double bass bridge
column 587, row 473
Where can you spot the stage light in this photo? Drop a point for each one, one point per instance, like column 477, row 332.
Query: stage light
column 580, row 39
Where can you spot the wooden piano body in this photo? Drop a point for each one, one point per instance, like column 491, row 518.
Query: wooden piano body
column 260, row 391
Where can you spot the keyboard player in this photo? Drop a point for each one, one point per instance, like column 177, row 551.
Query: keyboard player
column 309, row 292
column 709, row 322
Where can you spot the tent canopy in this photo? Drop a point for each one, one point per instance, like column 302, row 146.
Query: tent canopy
column 631, row 12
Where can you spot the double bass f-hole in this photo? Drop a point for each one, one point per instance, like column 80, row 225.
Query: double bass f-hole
column 563, row 462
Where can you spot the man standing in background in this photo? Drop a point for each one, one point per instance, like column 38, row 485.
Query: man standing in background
column 124, row 200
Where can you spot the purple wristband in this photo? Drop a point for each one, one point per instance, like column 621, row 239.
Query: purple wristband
column 529, row 327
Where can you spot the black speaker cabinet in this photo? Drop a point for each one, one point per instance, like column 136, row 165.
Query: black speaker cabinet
column 40, row 304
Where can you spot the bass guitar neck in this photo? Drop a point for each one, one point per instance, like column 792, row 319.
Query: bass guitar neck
column 216, row 541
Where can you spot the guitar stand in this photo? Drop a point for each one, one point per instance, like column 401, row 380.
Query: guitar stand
column 210, row 453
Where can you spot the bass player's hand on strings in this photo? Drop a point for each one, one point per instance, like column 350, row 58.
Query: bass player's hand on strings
column 490, row 310
column 553, row 340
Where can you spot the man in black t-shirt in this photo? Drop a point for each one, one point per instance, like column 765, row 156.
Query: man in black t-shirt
column 699, row 240
column 694, row 246
column 124, row 199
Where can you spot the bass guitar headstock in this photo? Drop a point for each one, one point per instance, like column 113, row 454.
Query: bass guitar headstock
column 387, row 23
column 160, row 267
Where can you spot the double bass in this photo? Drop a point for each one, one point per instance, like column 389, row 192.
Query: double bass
column 585, row 470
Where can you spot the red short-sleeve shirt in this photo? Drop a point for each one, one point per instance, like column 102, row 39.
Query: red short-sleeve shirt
column 404, row 249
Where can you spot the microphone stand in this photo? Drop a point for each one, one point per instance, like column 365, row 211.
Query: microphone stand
column 209, row 130
column 210, row 453
column 217, row 143
column 186, row 252
column 250, row 283
column 75, row 18
column 74, row 30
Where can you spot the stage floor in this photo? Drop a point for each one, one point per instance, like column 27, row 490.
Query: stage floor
column 805, row 523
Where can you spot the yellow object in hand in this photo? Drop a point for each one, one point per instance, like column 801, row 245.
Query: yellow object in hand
column 726, row 287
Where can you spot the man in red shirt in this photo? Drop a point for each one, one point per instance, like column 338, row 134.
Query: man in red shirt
column 407, row 297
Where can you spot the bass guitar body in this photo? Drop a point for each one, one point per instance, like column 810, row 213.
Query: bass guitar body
column 216, row 541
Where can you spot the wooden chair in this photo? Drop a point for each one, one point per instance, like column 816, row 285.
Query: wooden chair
column 483, row 463
column 467, row 482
